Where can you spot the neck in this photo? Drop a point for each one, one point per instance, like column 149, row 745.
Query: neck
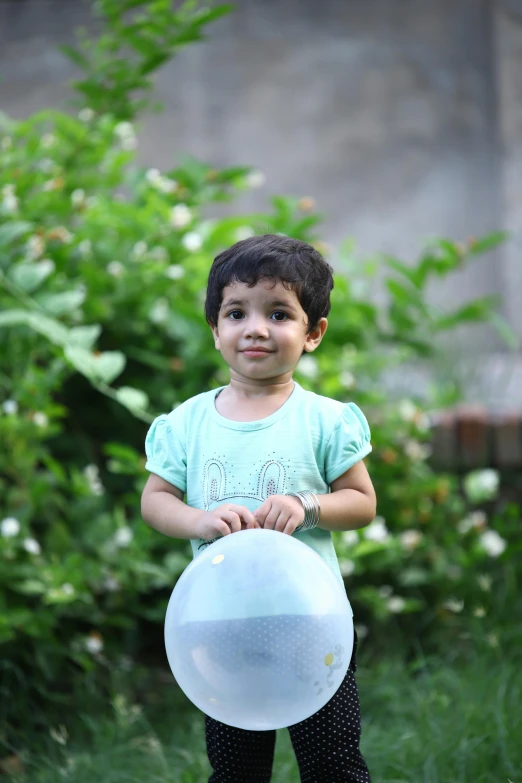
column 249, row 389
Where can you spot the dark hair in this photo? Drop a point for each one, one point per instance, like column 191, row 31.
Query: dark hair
column 297, row 265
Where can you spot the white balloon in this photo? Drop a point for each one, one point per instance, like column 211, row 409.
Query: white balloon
column 259, row 631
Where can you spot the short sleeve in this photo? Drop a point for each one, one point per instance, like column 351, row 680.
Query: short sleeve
column 166, row 453
column 348, row 443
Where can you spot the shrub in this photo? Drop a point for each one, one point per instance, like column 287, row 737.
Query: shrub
column 102, row 272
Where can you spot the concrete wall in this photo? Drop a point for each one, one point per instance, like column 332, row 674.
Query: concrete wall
column 401, row 118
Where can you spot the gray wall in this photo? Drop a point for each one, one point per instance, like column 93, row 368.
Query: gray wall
column 401, row 118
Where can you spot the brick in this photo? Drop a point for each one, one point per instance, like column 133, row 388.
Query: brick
column 444, row 440
column 507, row 440
column 473, row 436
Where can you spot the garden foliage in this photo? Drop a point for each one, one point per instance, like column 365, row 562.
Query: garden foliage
column 103, row 265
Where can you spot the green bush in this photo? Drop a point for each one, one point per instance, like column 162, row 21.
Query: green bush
column 103, row 266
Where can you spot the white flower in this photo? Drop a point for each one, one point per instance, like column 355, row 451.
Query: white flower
column 481, row 485
column 126, row 134
column 308, row 367
column 94, row 643
column 347, row 567
column 159, row 182
column 160, row 311
column 92, row 474
column 396, row 604
column 78, row 197
column 159, row 253
column 377, row 530
column 192, row 241
column 139, row 250
column 32, row 546
column 9, row 199
column 67, row 588
column 35, row 247
column 111, row 584
column 479, row 611
column 485, row 582
column 476, row 520
column 180, row 216
column 410, row 539
column 454, row 605
column 7, row 143
column 416, row 451
column 86, row 115
column 47, row 165
column 385, row 591
column 350, row 537
column 244, row 232
column 40, row 419
column 115, row 268
column 174, row 272
column 361, row 631
column 9, row 527
column 255, row 179
column 407, row 410
column 492, row 543
column 59, row 734
column 347, row 379
column 123, row 536
column 48, row 140
column 85, row 247
column 10, row 407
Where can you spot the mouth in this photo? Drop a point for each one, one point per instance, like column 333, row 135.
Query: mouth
column 256, row 352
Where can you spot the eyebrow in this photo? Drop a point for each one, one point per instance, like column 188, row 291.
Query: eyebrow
column 273, row 303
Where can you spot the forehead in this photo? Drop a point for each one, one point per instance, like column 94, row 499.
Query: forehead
column 264, row 291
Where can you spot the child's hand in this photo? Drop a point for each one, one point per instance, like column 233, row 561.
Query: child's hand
column 225, row 519
column 280, row 512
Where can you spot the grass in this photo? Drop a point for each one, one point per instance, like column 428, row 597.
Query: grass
column 431, row 722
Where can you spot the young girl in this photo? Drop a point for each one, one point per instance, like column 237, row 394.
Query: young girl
column 240, row 453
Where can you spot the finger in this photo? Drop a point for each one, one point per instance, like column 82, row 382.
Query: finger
column 223, row 528
column 245, row 514
column 261, row 512
column 271, row 518
column 290, row 526
column 232, row 519
column 281, row 521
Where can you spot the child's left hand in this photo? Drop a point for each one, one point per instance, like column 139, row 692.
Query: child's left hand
column 280, row 512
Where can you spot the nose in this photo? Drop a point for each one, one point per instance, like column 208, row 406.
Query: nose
column 255, row 326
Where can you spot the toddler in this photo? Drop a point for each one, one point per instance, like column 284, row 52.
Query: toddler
column 261, row 452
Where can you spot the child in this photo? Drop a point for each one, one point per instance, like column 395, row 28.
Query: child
column 239, row 454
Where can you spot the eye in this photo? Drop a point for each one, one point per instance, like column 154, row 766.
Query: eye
column 280, row 313
column 233, row 313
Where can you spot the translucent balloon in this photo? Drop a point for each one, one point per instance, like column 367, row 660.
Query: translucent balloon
column 259, row 631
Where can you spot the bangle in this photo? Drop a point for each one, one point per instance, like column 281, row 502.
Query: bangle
column 312, row 510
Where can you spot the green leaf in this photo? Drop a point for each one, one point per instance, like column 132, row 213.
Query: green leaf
column 133, row 399
column 13, row 230
column 75, row 56
column 97, row 367
column 478, row 310
column 48, row 327
column 488, row 242
column 84, row 336
column 29, row 276
column 504, row 330
column 64, row 302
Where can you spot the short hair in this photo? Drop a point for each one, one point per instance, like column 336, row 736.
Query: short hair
column 296, row 264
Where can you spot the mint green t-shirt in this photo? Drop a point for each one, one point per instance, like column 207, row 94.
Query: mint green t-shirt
column 305, row 445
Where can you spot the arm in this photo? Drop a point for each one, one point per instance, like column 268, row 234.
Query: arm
column 162, row 508
column 351, row 503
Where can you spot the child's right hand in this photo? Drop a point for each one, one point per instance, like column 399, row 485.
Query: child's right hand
column 223, row 520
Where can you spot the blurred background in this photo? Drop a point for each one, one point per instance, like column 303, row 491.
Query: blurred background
column 139, row 138
column 402, row 120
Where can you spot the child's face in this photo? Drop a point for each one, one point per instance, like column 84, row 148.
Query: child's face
column 267, row 316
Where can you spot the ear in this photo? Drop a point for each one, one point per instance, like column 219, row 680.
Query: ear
column 215, row 334
column 314, row 337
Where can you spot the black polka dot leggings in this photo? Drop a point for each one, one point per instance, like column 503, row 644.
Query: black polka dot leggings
column 326, row 745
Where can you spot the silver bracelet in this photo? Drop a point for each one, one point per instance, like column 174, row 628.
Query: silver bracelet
column 312, row 510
